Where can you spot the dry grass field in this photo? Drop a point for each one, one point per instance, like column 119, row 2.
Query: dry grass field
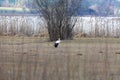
column 32, row 58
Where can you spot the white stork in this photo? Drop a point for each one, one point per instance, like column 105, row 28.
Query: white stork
column 57, row 43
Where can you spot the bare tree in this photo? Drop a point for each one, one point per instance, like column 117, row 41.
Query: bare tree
column 58, row 15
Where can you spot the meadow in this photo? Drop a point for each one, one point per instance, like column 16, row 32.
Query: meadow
column 35, row 58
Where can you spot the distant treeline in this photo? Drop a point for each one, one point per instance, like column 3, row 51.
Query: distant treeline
column 17, row 11
column 35, row 26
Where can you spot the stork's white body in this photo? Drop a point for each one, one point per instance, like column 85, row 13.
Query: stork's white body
column 57, row 43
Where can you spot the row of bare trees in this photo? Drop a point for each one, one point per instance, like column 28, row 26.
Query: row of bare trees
column 98, row 27
column 21, row 26
column 85, row 26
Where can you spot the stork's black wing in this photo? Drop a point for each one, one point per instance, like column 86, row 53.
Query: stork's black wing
column 56, row 45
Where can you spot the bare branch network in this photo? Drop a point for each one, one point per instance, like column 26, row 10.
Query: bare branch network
column 58, row 16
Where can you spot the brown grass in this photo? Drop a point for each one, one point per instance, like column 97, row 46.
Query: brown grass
column 32, row 58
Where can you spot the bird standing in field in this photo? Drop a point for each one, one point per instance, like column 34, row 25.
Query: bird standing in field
column 57, row 43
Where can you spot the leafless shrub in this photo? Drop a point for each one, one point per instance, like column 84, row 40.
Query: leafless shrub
column 36, row 35
column 20, row 35
column 40, row 35
column 79, row 35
